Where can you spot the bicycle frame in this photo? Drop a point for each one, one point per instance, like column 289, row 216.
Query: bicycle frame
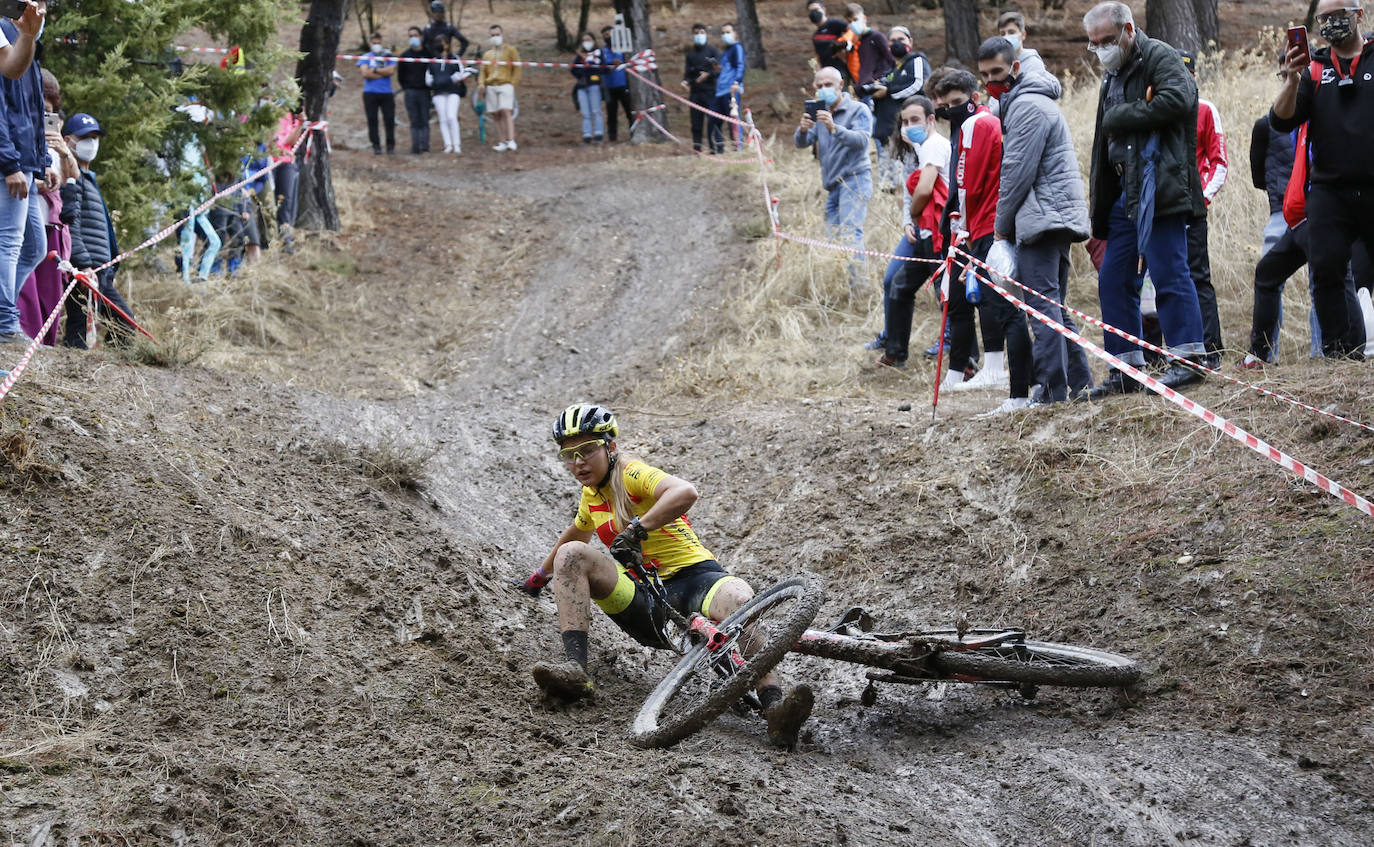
column 905, row 655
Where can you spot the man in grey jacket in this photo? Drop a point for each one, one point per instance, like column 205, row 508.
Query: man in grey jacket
column 841, row 130
column 1041, row 208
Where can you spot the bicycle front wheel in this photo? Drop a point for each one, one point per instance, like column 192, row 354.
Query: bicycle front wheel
column 1040, row 663
column 706, row 683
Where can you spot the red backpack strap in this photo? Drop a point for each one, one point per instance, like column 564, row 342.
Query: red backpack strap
column 1314, row 70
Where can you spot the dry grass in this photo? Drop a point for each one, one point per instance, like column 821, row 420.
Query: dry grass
column 22, row 461
column 797, row 327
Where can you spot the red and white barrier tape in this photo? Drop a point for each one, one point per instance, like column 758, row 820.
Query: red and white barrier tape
column 1194, row 408
column 643, row 60
column 685, row 101
column 18, row 370
column 845, row 248
column 1105, row 327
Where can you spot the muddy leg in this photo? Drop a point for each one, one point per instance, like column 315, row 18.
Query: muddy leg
column 579, row 574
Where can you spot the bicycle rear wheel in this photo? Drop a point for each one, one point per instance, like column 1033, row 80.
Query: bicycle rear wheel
column 705, row 683
column 1039, row 663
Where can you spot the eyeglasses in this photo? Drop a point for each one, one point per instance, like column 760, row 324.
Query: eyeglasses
column 580, row 452
column 1107, row 42
column 1327, row 17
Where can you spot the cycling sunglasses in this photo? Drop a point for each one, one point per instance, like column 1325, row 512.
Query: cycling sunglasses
column 580, row 452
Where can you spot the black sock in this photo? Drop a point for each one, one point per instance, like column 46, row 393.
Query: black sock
column 575, row 645
column 769, row 695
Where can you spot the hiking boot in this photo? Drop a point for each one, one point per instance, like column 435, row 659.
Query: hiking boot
column 564, row 680
column 785, row 717
column 887, row 361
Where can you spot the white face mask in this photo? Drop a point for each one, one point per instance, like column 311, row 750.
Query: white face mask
column 728, row 38
column 496, row 41
column 1110, row 56
column 1015, row 41
column 86, row 149
column 588, row 46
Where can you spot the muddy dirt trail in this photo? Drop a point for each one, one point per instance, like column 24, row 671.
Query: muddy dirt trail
column 220, row 629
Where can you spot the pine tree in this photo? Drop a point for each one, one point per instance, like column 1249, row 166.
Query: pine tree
column 116, row 61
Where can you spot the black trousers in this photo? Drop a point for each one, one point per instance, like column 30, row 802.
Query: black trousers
column 1337, row 217
column 617, row 97
column 1200, row 269
column 699, row 117
column 901, row 300
column 1283, row 260
column 79, row 301
column 385, row 105
column 995, row 312
column 417, row 109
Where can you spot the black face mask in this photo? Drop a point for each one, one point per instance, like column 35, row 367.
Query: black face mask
column 956, row 115
column 900, row 49
column 816, row 16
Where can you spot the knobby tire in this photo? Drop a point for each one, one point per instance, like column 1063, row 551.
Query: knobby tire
column 654, row 728
column 1041, row 663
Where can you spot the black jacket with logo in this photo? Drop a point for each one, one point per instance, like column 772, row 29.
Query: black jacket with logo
column 1340, row 119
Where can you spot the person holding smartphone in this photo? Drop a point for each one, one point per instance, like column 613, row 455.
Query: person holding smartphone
column 23, row 158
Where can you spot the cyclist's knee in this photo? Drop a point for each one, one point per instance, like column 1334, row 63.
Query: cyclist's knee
column 572, row 556
column 732, row 593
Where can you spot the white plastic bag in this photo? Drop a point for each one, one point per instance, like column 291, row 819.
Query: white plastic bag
column 1002, row 258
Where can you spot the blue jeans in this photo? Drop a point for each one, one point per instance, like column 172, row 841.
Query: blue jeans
column 1118, row 286
column 900, row 284
column 846, row 208
column 589, row 104
column 23, row 244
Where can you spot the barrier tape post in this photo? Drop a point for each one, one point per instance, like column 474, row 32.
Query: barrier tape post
column 1273, row 454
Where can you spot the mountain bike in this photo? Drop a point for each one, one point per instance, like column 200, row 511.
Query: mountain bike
column 722, row 662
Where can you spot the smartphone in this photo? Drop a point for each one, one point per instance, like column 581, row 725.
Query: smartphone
column 52, row 122
column 812, row 107
column 13, row 8
column 1297, row 37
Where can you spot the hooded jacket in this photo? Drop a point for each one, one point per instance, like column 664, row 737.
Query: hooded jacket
column 1041, row 189
column 1171, row 112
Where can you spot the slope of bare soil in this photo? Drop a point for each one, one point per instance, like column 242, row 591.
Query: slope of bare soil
column 261, row 599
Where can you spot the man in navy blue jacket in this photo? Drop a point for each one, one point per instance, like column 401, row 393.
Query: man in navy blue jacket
column 23, row 156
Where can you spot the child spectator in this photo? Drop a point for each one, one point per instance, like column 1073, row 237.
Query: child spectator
column 287, row 176
column 92, row 231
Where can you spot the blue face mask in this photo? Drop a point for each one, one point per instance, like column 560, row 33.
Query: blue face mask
column 915, row 134
column 858, row 27
column 415, row 42
column 699, row 39
column 1015, row 42
column 827, row 95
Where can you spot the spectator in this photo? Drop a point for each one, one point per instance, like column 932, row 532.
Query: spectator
column 378, row 68
column 42, row 292
column 1271, row 163
column 701, row 66
column 906, row 78
column 286, row 178
column 18, row 42
column 496, row 87
column 729, row 86
column 411, row 75
column 587, row 71
column 1041, row 210
column 255, row 227
column 445, row 80
column 1147, row 105
column 92, row 230
column 1338, row 108
column 868, row 55
column 975, row 170
column 615, row 87
column 440, row 29
column 1012, row 27
column 193, row 163
column 23, row 157
column 1211, row 165
column 840, row 131
column 928, row 187
column 826, row 37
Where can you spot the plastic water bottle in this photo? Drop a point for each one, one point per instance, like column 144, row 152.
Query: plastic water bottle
column 973, row 292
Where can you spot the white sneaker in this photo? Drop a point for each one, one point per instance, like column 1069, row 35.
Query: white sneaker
column 513, row 145
column 448, row 148
column 986, row 378
column 952, row 380
column 1011, row 404
column 457, row 151
column 501, row 147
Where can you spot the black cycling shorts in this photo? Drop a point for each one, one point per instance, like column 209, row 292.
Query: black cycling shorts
column 689, row 590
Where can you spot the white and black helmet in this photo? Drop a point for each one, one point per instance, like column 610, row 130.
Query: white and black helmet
column 585, row 419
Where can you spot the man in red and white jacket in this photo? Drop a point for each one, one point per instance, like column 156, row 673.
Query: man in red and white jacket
column 976, row 171
column 1211, row 166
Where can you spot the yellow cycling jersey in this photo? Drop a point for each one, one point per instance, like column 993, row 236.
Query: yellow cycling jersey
column 670, row 548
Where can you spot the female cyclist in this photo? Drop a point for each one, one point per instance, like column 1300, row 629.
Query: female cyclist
column 631, row 505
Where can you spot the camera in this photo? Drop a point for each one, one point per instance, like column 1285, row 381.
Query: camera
column 812, row 107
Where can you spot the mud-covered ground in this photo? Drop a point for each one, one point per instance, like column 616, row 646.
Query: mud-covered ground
column 261, row 599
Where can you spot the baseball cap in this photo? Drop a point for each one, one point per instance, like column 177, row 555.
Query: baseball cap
column 436, row 6
column 81, row 125
column 1189, row 61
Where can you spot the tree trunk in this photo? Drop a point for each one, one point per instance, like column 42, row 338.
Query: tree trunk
column 643, row 97
column 563, row 38
column 315, row 74
column 582, row 16
column 961, row 31
column 1311, row 19
column 1208, row 25
column 747, row 25
column 1175, row 22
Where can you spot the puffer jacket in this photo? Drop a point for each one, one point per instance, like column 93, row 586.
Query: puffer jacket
column 23, row 145
column 1172, row 113
column 93, row 241
column 1041, row 189
column 1271, row 162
